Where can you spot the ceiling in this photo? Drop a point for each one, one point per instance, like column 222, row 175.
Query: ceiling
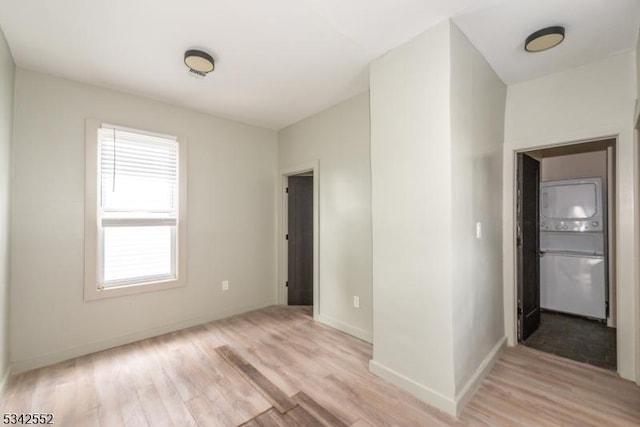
column 279, row 61
column 594, row 29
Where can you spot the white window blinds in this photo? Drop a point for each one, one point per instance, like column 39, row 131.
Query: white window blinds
column 138, row 203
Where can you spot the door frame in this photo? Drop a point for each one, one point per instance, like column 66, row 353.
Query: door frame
column 624, row 330
column 636, row 224
column 312, row 166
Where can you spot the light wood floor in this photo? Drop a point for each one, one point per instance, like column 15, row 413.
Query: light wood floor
column 188, row 378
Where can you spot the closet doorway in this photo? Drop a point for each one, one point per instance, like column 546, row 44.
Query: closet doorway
column 565, row 231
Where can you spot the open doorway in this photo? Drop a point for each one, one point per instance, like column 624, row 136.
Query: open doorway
column 565, row 251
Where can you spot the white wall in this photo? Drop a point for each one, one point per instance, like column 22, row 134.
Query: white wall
column 339, row 139
column 574, row 166
column 590, row 102
column 412, row 217
column 231, row 221
column 7, row 72
column 437, row 123
column 477, row 132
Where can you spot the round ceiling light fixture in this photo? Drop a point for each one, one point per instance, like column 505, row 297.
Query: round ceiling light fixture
column 544, row 39
column 199, row 62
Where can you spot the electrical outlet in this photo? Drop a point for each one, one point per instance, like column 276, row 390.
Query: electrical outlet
column 225, row 285
column 478, row 230
column 356, row 302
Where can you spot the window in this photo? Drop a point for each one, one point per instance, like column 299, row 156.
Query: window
column 135, row 199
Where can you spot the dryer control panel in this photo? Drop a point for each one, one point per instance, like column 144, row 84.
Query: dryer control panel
column 575, row 205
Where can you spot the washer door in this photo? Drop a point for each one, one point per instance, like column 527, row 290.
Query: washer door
column 573, row 283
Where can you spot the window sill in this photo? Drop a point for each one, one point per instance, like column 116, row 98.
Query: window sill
column 96, row 294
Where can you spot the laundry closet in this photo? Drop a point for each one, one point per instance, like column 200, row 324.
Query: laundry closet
column 575, row 262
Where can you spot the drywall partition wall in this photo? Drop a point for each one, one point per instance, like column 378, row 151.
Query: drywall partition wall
column 230, row 220
column 574, row 166
column 7, row 72
column 478, row 98
column 412, row 217
column 586, row 103
column 339, row 139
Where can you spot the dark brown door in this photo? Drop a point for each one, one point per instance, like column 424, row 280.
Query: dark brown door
column 300, row 240
column 528, row 244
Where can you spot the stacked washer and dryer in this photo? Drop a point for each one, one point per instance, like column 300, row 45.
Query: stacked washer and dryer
column 573, row 267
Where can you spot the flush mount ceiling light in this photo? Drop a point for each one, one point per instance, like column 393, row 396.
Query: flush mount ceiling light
column 544, row 39
column 199, row 62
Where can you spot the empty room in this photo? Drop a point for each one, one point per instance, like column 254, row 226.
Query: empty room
column 320, row 213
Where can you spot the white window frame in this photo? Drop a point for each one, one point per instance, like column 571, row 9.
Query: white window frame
column 92, row 259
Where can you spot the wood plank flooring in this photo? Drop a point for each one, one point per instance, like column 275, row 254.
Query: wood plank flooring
column 269, row 390
column 189, row 378
column 318, row 411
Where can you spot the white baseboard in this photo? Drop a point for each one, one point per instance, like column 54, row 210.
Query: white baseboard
column 432, row 397
column 4, row 381
column 421, row 391
column 469, row 389
column 81, row 350
column 345, row 327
